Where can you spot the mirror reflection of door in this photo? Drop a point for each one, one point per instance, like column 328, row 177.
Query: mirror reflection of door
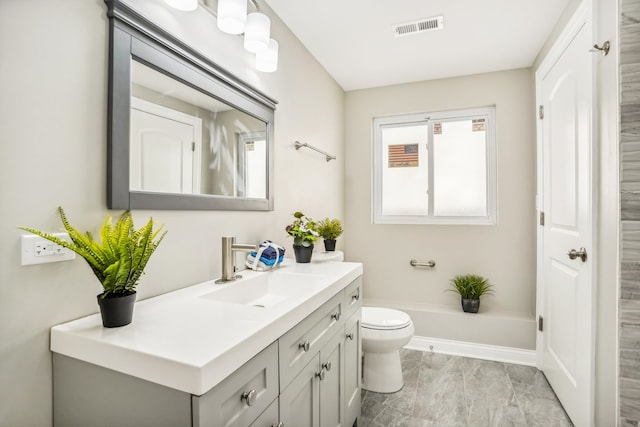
column 165, row 149
column 252, row 165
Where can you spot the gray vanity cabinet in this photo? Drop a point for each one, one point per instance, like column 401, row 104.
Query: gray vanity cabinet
column 352, row 352
column 352, row 369
column 352, row 301
column 325, row 392
column 269, row 418
column 300, row 401
column 331, row 384
column 309, row 377
column 314, row 398
column 303, row 341
column 242, row 396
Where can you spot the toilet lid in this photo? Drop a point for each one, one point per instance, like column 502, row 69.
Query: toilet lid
column 384, row 318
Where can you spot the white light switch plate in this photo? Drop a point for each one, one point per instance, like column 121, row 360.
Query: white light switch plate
column 36, row 250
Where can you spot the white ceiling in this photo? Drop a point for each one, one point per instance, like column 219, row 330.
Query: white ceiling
column 354, row 41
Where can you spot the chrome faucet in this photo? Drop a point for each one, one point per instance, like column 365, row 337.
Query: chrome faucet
column 229, row 246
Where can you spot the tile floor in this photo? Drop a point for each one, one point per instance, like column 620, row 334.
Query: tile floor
column 447, row 391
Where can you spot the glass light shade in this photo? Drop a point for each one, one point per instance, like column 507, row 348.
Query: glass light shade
column 232, row 16
column 184, row 5
column 267, row 60
column 257, row 32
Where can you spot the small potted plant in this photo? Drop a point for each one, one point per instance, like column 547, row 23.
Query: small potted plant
column 330, row 230
column 118, row 261
column 304, row 232
column 470, row 287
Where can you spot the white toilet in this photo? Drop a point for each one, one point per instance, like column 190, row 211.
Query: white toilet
column 384, row 332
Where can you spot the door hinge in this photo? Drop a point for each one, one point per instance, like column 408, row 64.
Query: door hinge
column 540, row 323
column 541, row 218
column 193, row 146
column 540, row 112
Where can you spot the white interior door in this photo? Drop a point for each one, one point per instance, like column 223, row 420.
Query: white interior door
column 565, row 283
column 164, row 149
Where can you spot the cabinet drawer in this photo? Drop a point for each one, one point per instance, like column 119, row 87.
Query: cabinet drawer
column 241, row 397
column 353, row 297
column 269, row 418
column 304, row 340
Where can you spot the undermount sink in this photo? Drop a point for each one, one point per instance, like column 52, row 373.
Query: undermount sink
column 265, row 290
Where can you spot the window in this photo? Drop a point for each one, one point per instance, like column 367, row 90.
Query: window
column 435, row 168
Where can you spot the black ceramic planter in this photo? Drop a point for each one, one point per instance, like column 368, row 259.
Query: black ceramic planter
column 303, row 253
column 116, row 310
column 470, row 305
column 329, row 245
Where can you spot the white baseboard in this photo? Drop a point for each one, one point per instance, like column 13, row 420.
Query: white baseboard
column 477, row 351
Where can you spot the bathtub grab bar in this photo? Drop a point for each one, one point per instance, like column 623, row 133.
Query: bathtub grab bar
column 431, row 263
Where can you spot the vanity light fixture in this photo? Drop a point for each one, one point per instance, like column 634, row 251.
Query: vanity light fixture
column 232, row 16
column 257, row 32
column 184, row 5
column 267, row 60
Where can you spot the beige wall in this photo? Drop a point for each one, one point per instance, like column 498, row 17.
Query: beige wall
column 505, row 253
column 53, row 65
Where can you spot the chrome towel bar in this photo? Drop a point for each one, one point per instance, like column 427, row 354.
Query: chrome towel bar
column 431, row 263
column 299, row 144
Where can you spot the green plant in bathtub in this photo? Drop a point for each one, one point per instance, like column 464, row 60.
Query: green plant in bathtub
column 470, row 287
column 120, row 258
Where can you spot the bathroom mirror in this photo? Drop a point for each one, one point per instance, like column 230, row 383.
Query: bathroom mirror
column 183, row 133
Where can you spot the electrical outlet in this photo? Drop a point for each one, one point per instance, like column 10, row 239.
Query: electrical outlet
column 37, row 250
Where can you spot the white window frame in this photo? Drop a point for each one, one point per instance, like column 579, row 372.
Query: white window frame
column 489, row 113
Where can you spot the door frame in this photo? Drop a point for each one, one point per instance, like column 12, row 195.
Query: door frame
column 582, row 17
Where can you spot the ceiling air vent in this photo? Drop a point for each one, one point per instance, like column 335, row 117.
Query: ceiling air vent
column 420, row 26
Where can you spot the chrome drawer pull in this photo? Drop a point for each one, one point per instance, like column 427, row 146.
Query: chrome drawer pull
column 356, row 296
column 304, row 345
column 327, row 366
column 249, row 397
column 350, row 336
column 320, row 374
column 336, row 316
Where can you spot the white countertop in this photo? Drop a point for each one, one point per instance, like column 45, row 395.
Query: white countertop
column 190, row 343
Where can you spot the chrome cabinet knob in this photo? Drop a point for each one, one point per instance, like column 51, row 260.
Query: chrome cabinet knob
column 327, row 366
column 304, row 345
column 249, row 397
column 350, row 336
column 582, row 254
column 336, row 316
column 320, row 374
column 280, row 424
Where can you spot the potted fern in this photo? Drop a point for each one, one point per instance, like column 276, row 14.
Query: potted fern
column 117, row 261
column 330, row 230
column 470, row 287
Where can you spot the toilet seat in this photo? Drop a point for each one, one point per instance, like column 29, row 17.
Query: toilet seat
column 380, row 318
